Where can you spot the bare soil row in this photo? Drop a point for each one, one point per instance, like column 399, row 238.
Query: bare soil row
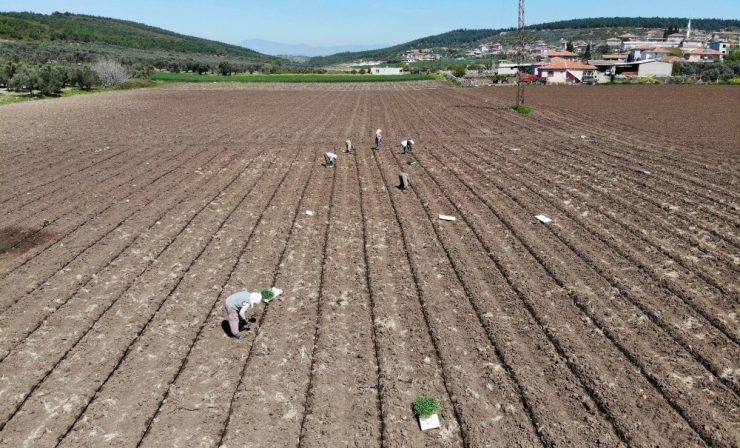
column 613, row 325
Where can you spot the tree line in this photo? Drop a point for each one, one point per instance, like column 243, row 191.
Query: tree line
column 638, row 22
column 67, row 27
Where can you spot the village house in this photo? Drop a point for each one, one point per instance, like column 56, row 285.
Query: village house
column 692, row 42
column 700, row 55
column 614, row 42
column 645, row 52
column 726, row 36
column 412, row 55
column 626, row 46
column 722, row 47
column 675, row 37
column 608, row 70
column 562, row 71
column 562, row 54
column 628, row 37
column 620, row 57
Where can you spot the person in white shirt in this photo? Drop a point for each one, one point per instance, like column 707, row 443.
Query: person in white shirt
column 378, row 138
column 407, row 146
column 236, row 306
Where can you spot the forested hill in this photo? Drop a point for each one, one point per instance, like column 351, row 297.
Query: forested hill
column 68, row 27
column 464, row 37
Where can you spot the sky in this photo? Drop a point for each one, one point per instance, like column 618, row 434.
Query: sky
column 363, row 22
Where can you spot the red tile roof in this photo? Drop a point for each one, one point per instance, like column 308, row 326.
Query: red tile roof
column 568, row 65
column 561, row 53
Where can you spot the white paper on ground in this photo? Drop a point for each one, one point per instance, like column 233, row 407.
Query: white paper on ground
column 447, row 217
column 429, row 423
column 516, row 149
column 543, row 218
column 309, row 212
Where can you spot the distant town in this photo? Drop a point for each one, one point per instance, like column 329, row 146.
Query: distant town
column 628, row 56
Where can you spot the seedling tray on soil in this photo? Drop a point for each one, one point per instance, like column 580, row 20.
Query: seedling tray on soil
column 275, row 292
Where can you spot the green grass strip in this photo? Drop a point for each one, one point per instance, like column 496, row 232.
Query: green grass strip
column 290, row 78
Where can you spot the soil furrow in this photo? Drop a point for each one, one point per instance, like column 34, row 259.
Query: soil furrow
column 129, row 314
column 215, row 364
column 527, row 355
column 696, row 334
column 91, row 235
column 653, row 257
column 409, row 365
column 596, row 362
column 617, row 321
column 119, row 250
column 476, row 386
column 320, row 307
column 341, row 407
column 164, row 344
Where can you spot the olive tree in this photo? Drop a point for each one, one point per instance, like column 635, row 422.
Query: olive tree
column 50, row 80
column 25, row 78
column 84, row 77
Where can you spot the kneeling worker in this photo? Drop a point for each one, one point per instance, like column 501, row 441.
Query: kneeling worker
column 236, row 306
column 405, row 183
column 407, row 146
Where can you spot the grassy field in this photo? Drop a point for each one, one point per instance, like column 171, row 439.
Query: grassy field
column 293, row 78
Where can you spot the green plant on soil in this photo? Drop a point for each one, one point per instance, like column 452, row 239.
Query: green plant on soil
column 426, row 406
column 411, row 161
column 46, row 223
column 661, row 156
column 522, row 109
column 267, row 294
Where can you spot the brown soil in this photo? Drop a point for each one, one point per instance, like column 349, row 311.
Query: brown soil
column 614, row 325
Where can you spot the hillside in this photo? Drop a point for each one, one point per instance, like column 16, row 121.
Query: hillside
column 76, row 28
column 591, row 29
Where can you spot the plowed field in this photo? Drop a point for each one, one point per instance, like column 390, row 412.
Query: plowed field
column 128, row 217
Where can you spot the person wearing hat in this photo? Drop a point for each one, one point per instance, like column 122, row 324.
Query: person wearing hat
column 378, row 138
column 236, row 307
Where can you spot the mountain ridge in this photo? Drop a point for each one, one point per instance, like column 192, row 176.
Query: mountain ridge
column 280, row 49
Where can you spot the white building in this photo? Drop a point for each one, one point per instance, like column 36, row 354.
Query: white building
column 385, row 70
column 722, row 47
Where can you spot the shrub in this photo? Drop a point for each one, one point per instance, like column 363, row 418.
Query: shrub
column 426, row 406
column 521, row 109
column 110, row 73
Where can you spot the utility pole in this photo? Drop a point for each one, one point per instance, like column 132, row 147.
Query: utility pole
column 520, row 56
